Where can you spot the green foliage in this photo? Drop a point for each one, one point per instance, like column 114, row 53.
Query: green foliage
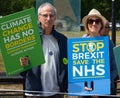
column 12, row 6
column 104, row 6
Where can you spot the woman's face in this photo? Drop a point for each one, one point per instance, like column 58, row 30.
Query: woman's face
column 94, row 25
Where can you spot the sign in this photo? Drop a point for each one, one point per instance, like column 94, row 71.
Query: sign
column 88, row 66
column 117, row 57
column 20, row 38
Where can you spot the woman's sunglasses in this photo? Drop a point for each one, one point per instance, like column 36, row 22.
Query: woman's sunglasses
column 97, row 21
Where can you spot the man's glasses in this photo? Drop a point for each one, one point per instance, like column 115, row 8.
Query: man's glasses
column 97, row 21
column 47, row 15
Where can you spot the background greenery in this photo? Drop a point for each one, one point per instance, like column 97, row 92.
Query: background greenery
column 104, row 6
column 69, row 35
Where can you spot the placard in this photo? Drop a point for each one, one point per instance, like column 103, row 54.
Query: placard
column 88, row 66
column 20, row 38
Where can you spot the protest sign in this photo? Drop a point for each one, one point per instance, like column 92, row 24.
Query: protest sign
column 88, row 66
column 116, row 50
column 20, row 38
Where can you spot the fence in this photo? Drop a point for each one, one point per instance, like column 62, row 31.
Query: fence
column 19, row 80
column 4, row 80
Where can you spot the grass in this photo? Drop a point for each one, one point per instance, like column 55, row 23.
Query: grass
column 69, row 35
column 1, row 63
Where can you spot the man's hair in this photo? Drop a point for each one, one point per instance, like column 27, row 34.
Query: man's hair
column 46, row 4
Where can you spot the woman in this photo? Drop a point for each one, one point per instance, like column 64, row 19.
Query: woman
column 106, row 29
column 94, row 24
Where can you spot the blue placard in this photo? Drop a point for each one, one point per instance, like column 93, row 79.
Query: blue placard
column 88, row 66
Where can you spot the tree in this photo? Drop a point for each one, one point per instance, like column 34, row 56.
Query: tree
column 12, row 6
column 104, row 6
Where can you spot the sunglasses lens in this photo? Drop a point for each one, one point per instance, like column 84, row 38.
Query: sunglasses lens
column 107, row 27
column 97, row 21
column 90, row 21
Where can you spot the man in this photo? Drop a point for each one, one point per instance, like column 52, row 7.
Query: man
column 50, row 78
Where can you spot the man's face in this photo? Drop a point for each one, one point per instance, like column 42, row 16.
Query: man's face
column 47, row 17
